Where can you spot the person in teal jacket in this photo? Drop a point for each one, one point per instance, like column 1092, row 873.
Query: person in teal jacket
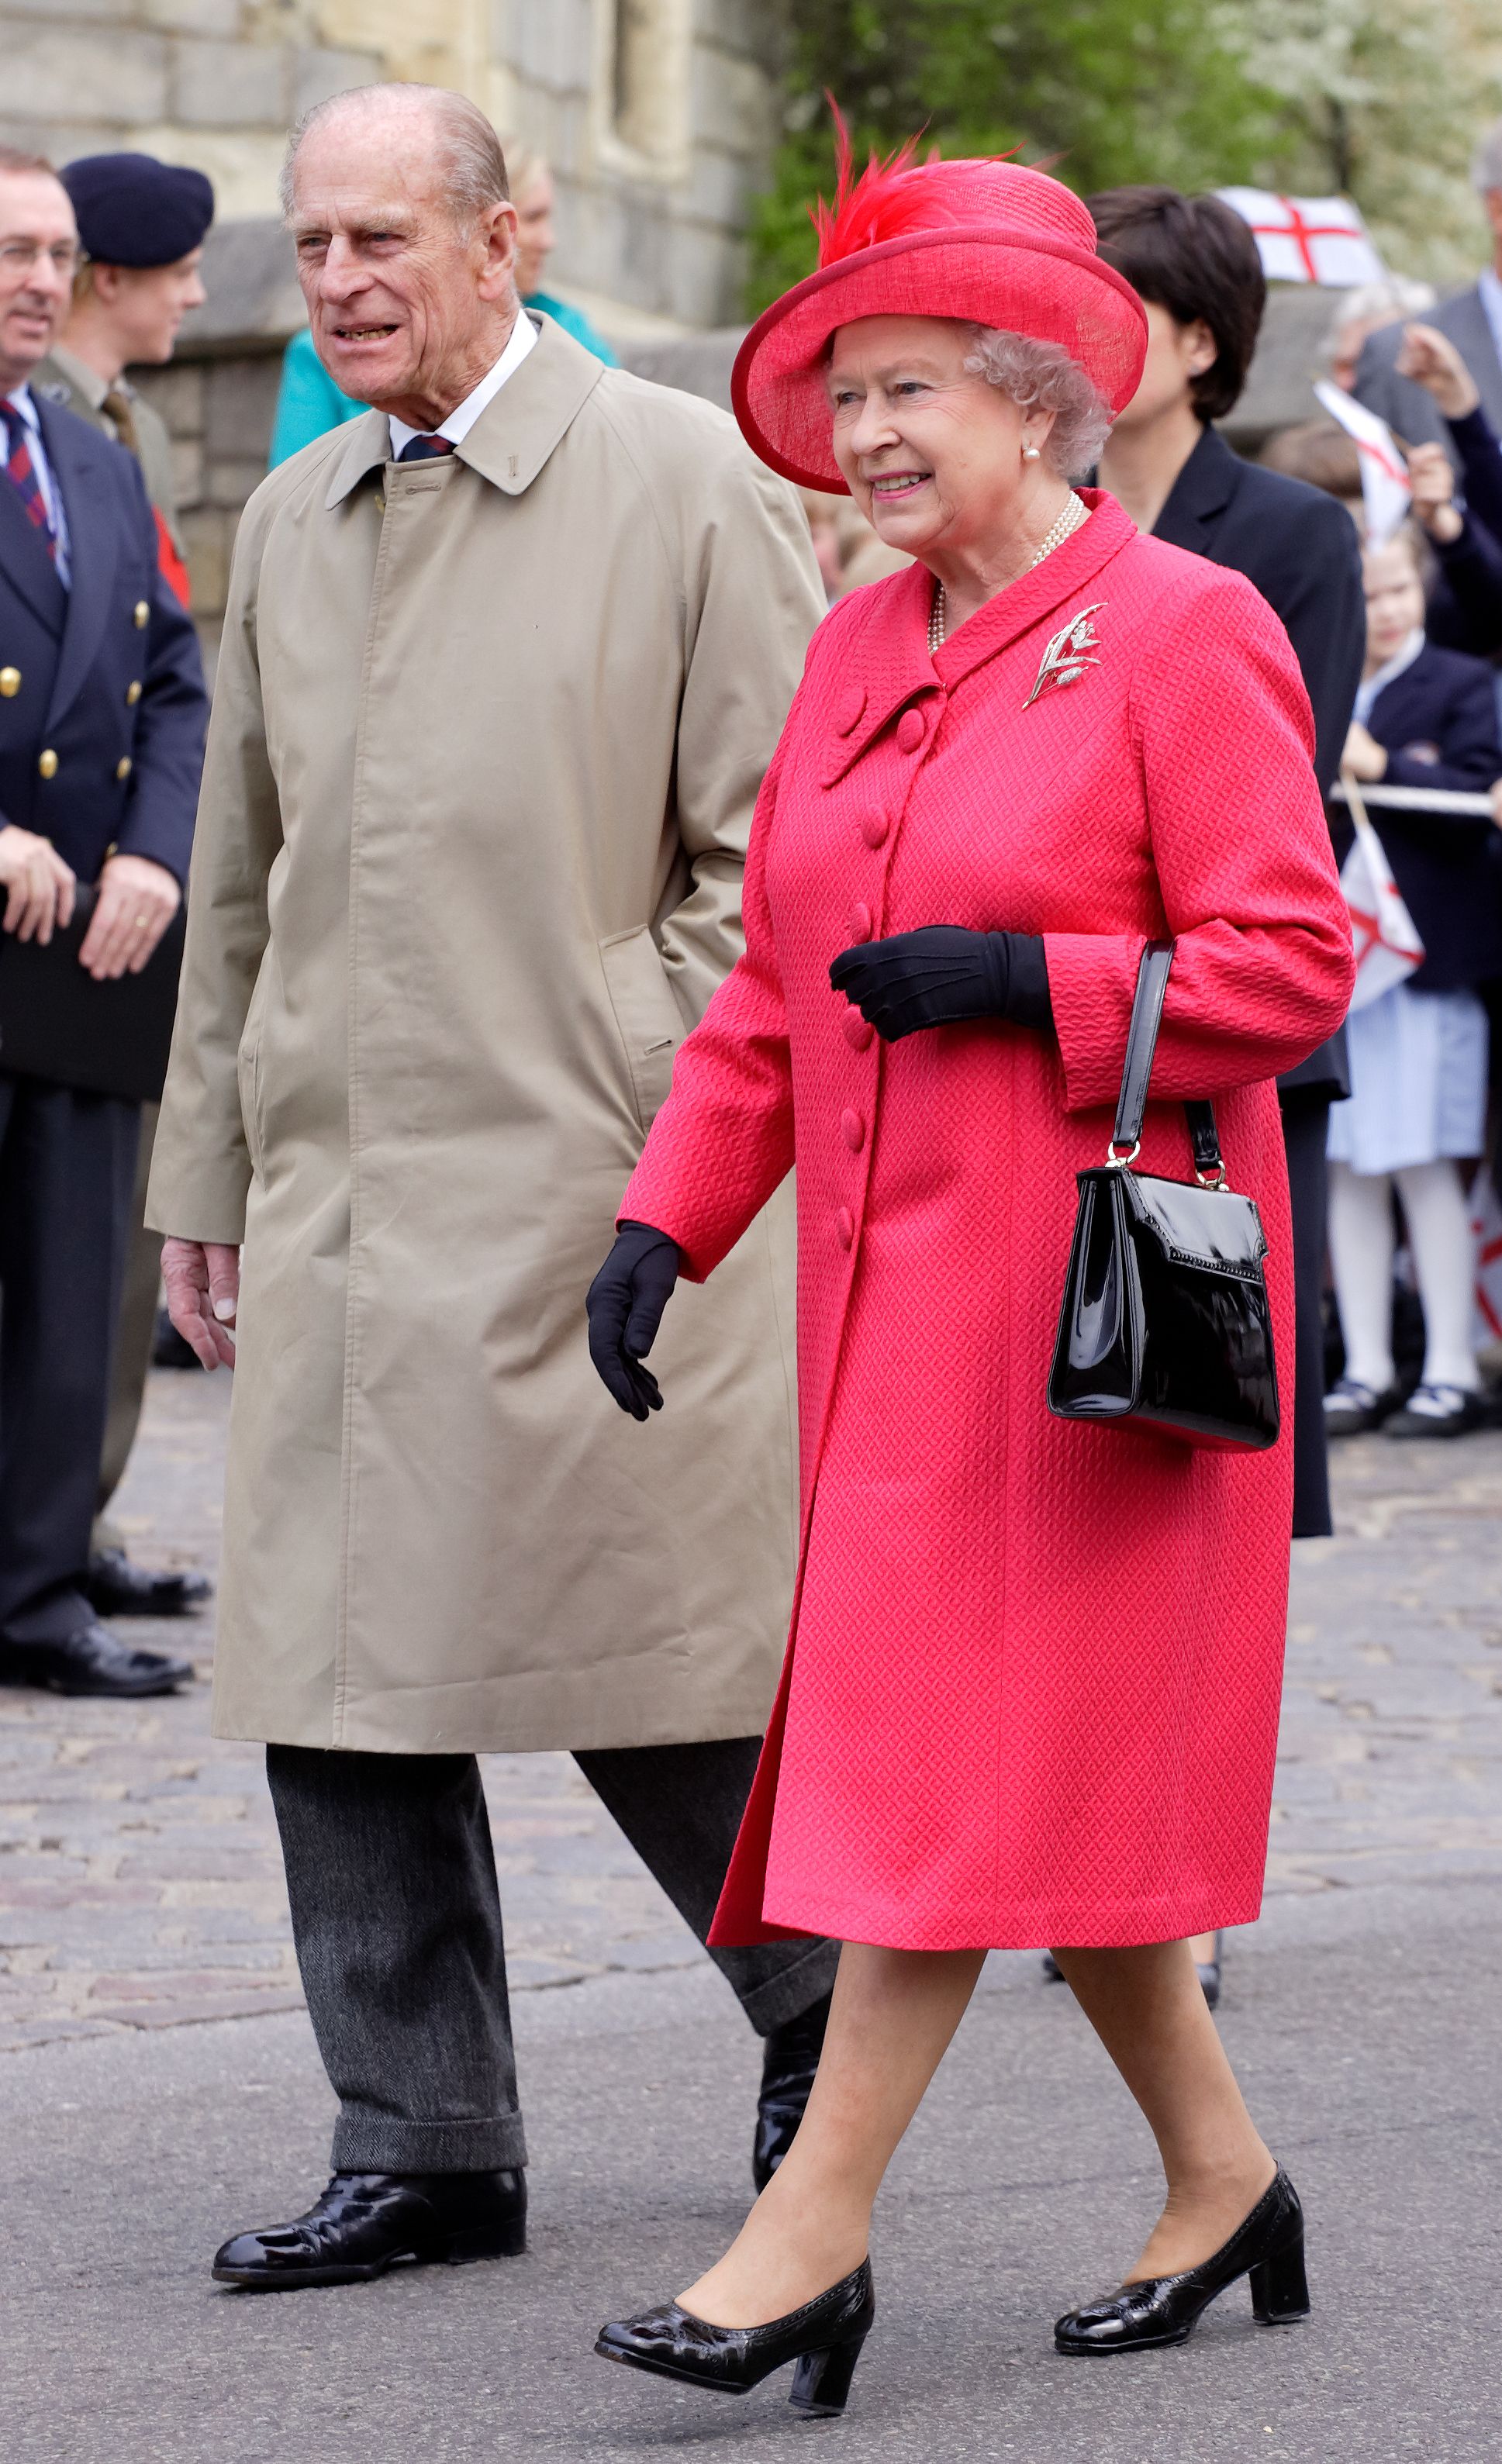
column 308, row 401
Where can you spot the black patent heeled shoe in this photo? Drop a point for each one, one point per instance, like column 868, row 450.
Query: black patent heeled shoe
column 1268, row 2246
column 823, row 2338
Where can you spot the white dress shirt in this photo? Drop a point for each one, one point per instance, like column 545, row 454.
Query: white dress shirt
column 459, row 424
column 1491, row 290
column 52, row 494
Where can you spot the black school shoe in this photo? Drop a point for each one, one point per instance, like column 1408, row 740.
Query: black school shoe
column 1268, row 2246
column 365, row 2223
column 1437, row 1412
column 1351, row 1408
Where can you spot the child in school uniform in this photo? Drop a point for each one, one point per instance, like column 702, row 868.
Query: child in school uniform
column 1425, row 718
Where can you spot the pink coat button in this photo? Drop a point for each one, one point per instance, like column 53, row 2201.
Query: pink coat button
column 845, row 1225
column 858, row 1032
column 855, row 1128
column 911, row 731
column 860, row 921
column 852, row 710
column 873, row 828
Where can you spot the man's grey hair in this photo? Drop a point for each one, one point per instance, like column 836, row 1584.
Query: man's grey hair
column 1042, row 376
column 473, row 164
column 1486, row 164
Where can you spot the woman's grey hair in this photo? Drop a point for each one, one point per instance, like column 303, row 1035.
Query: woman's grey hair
column 473, row 163
column 1042, row 376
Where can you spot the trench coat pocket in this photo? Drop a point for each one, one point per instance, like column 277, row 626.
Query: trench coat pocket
column 247, row 1068
column 650, row 1021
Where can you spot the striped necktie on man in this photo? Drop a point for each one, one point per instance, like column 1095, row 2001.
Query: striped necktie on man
column 21, row 472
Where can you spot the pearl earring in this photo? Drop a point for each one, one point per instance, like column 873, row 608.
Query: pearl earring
column 1030, row 453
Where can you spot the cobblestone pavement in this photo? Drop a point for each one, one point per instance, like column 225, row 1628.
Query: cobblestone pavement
column 139, row 1880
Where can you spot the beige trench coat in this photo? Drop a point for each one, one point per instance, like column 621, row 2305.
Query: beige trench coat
column 486, row 740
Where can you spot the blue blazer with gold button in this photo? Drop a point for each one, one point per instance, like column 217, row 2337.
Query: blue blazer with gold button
column 102, row 708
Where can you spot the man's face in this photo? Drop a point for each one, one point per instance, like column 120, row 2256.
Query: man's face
column 147, row 303
column 38, row 251
column 400, row 296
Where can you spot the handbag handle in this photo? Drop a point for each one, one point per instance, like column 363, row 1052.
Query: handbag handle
column 1147, row 1010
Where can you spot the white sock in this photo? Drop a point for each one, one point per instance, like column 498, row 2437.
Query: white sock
column 1444, row 1262
column 1361, row 1242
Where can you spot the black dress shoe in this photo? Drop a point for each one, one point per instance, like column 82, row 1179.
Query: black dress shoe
column 789, row 2057
column 823, row 2338
column 92, row 1661
column 1268, row 2246
column 365, row 2223
column 115, row 1588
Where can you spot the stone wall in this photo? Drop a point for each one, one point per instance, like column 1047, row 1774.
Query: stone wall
column 657, row 115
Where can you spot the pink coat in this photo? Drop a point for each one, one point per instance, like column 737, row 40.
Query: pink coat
column 1030, row 1693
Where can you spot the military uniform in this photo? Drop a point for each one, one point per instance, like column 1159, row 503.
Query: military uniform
column 103, row 713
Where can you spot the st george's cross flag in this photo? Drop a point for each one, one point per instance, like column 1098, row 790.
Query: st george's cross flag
column 1307, row 239
column 1384, row 933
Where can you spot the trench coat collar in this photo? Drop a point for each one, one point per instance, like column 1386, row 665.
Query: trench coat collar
column 890, row 665
column 513, row 435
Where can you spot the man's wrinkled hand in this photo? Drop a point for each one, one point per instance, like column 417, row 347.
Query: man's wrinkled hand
column 38, row 886
column 203, row 1295
column 137, row 901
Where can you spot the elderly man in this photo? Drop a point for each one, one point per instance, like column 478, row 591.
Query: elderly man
column 1471, row 319
column 504, row 661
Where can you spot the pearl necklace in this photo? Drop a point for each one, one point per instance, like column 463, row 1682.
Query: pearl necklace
column 1074, row 512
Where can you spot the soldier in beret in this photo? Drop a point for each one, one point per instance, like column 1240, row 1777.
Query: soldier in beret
column 142, row 225
column 103, row 713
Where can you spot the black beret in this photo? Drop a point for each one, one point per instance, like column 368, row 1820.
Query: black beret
column 132, row 210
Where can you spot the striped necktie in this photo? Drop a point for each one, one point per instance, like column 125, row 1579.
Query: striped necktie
column 21, row 472
column 425, row 449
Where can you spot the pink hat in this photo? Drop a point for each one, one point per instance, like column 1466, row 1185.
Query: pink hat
column 988, row 241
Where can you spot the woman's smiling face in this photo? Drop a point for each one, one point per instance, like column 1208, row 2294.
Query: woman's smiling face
column 931, row 452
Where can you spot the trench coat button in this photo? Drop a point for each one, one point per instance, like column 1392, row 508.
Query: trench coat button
column 858, row 1031
column 133, row 693
column 10, row 682
column 143, row 615
column 845, row 1225
column 855, row 1128
column 851, row 711
column 47, row 763
column 123, row 766
column 860, row 926
column 911, row 731
column 873, row 828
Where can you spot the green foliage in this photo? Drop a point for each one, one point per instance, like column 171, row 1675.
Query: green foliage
column 1102, row 91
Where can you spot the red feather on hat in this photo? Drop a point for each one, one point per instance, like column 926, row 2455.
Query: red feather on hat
column 894, row 194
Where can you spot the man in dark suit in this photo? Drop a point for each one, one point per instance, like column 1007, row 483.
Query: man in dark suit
column 103, row 714
column 1471, row 319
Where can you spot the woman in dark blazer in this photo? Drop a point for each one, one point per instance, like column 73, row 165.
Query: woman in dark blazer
column 1195, row 265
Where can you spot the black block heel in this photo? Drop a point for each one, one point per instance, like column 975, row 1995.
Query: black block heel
column 822, row 2381
column 823, row 2339
column 1280, row 2287
column 1267, row 2247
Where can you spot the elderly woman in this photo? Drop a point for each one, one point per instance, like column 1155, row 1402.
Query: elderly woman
column 1030, row 1694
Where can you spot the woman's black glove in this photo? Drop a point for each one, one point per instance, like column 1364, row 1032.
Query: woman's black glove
column 942, row 974
column 625, row 1305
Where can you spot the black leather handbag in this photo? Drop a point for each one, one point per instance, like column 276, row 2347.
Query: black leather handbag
column 1166, row 1322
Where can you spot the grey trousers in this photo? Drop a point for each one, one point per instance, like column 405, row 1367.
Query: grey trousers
column 397, row 1916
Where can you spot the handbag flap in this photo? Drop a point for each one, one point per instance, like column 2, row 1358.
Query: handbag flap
column 1215, row 1230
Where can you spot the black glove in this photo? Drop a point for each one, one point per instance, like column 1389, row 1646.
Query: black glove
column 625, row 1306
column 944, row 973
